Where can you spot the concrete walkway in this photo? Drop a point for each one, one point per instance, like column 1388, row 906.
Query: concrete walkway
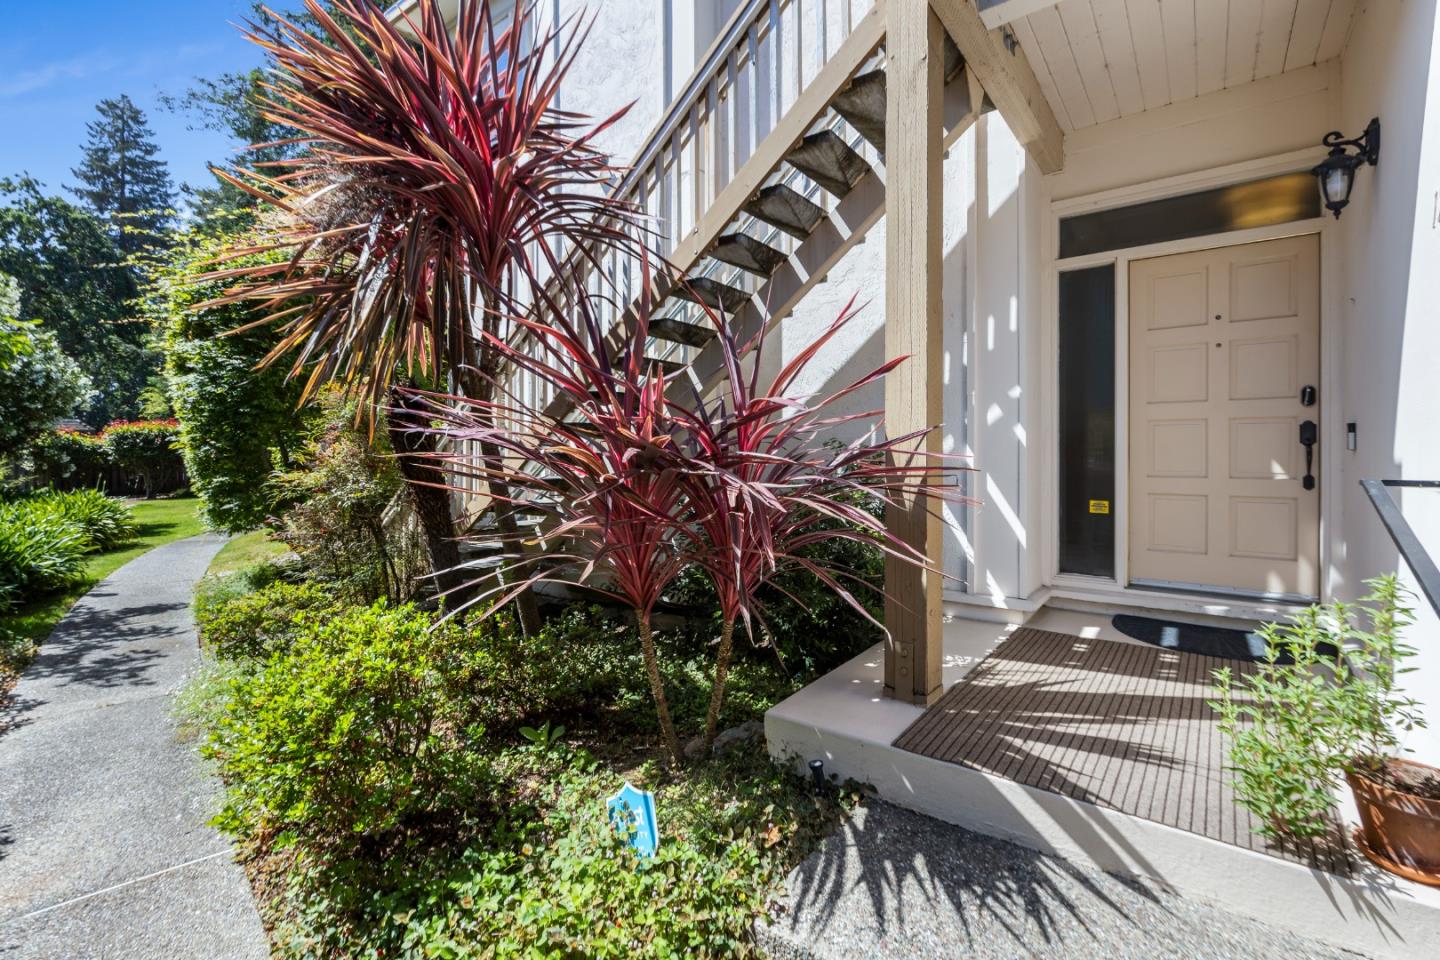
column 896, row 884
column 104, row 849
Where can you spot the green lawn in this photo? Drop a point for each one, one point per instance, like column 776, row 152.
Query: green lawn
column 158, row 521
column 244, row 551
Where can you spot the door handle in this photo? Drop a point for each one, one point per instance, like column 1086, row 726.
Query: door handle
column 1309, row 434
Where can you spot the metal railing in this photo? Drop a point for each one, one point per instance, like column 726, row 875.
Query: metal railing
column 1427, row 575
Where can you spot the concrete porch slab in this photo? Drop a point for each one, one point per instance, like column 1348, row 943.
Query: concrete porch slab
column 844, row 720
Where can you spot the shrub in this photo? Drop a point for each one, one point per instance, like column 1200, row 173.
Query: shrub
column 340, row 490
column 41, row 550
column 107, row 522
column 72, row 458
column 1296, row 727
column 357, row 738
column 258, row 624
column 44, row 539
column 238, row 424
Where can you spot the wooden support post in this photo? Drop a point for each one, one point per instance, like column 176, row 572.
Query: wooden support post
column 915, row 63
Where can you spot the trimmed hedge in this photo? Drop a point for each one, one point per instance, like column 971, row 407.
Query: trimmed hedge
column 127, row 458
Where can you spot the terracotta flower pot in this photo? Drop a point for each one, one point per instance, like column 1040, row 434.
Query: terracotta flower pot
column 1399, row 831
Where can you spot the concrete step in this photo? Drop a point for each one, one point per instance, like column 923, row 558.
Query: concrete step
column 666, row 365
column 744, row 251
column 712, row 293
column 679, row 331
column 782, row 207
column 862, row 104
column 828, row 160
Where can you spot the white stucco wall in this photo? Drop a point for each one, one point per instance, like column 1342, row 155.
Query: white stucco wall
column 1391, row 298
column 622, row 61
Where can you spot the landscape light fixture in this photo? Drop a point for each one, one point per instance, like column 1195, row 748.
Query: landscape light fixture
column 1336, row 173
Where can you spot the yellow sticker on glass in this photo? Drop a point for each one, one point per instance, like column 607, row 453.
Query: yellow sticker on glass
column 1100, row 506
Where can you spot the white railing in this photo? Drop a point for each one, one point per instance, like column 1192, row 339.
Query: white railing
column 763, row 59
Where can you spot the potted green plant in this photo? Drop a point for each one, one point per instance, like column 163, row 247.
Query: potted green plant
column 1311, row 717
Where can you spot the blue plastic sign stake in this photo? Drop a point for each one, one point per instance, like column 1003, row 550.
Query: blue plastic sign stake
column 632, row 812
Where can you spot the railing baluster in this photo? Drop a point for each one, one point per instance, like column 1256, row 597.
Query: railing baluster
column 753, row 88
column 699, row 168
column 777, row 65
column 676, row 189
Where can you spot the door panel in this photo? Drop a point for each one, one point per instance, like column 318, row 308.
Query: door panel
column 1221, row 343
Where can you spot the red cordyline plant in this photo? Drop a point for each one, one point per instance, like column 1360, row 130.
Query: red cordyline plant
column 638, row 485
column 765, row 487
column 438, row 181
column 605, row 480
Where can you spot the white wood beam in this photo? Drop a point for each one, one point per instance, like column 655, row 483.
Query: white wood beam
column 1006, row 75
column 997, row 13
column 914, row 265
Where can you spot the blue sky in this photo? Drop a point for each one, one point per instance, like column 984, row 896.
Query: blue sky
column 58, row 58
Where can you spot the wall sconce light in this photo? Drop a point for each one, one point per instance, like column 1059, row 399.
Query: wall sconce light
column 1336, row 173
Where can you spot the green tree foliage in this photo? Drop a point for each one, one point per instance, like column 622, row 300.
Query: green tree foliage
column 73, row 282
column 38, row 382
column 229, row 104
column 123, row 180
column 237, row 424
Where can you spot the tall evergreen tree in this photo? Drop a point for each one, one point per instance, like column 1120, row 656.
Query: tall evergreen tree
column 72, row 282
column 123, row 180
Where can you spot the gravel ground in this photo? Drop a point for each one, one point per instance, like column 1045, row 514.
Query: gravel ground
column 104, row 848
column 903, row 886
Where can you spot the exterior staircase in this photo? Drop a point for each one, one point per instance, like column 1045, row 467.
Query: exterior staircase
column 762, row 175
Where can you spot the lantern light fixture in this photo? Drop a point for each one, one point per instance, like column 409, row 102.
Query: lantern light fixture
column 1336, row 173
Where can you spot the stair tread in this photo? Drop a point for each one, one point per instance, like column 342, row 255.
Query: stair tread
column 744, row 251
column 679, row 331
column 782, row 207
column 828, row 160
column 862, row 105
column 712, row 293
column 862, row 102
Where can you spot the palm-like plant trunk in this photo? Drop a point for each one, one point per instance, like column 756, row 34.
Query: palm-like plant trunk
column 482, row 388
column 657, row 688
column 717, row 690
column 425, row 483
column 525, row 603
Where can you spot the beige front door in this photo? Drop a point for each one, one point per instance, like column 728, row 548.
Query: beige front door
column 1222, row 343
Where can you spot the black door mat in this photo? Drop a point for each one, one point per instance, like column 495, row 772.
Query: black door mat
column 1195, row 638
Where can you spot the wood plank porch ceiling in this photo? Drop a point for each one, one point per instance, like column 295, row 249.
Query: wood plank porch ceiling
column 1097, row 60
column 1124, row 726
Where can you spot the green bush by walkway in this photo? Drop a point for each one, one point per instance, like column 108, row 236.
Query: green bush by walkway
column 378, row 770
